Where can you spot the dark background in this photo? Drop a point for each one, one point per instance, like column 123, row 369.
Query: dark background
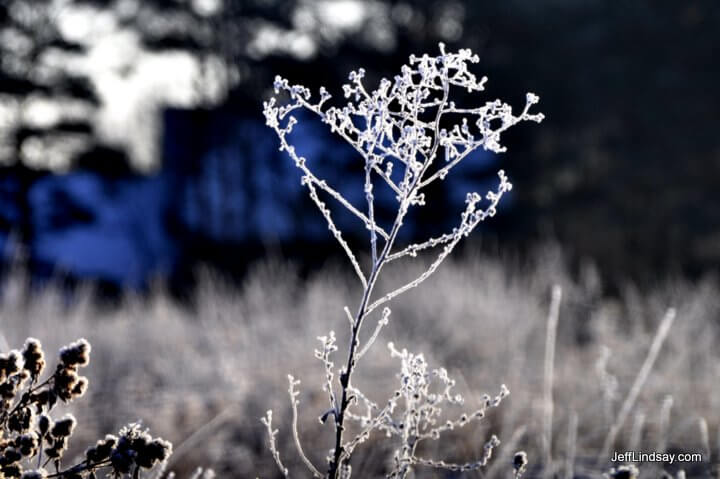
column 624, row 171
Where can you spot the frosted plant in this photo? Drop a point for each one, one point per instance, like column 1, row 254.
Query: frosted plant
column 31, row 440
column 409, row 134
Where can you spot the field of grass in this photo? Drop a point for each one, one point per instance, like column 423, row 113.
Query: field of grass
column 202, row 375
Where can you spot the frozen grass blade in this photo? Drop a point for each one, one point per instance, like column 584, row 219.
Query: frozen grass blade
column 571, row 446
column 664, row 429
column 639, row 382
column 549, row 367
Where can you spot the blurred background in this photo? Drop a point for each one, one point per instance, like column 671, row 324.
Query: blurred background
column 134, row 160
column 133, row 147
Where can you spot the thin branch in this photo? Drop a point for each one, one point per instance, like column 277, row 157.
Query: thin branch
column 328, row 347
column 296, row 436
column 322, row 184
column 384, row 319
column 470, row 219
column 468, row 466
column 337, row 234
column 413, row 249
column 272, row 444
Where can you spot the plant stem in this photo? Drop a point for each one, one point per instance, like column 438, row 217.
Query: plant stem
column 81, row 467
column 362, row 309
column 351, row 359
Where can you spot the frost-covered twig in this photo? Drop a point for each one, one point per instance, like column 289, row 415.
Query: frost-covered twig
column 272, row 443
column 328, row 347
column 401, row 130
column 384, row 319
column 469, row 220
column 336, row 232
column 468, row 466
column 296, row 435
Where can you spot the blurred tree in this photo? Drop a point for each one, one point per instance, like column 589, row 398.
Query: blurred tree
column 78, row 73
column 624, row 169
column 626, row 166
column 83, row 84
column 43, row 104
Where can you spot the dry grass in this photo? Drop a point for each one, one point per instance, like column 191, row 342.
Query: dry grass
column 202, row 377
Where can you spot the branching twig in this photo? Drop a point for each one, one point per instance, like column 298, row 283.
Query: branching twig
column 399, row 124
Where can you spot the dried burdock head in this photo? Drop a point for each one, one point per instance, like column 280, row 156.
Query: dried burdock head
column 43, row 424
column 10, row 456
column 21, row 420
column 102, row 449
column 79, row 388
column 63, row 427
column 520, row 462
column 121, row 461
column 23, row 435
column 13, row 383
column 624, row 472
column 13, row 470
column 75, row 354
column 154, row 452
column 27, row 444
column 136, row 447
column 7, row 391
column 65, row 380
column 44, row 398
column 9, row 364
column 34, row 358
column 57, row 447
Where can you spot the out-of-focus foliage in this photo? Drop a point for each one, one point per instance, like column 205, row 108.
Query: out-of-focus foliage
column 76, row 74
column 625, row 169
column 201, row 376
column 627, row 165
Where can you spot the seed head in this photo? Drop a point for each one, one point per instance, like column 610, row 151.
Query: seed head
column 34, row 358
column 9, row 364
column 65, row 380
column 27, row 444
column 155, row 451
column 44, row 422
column 75, row 354
column 80, row 387
column 520, row 459
column 21, row 420
column 63, row 427
column 11, row 456
column 58, row 447
column 12, row 470
column 625, row 472
column 8, row 390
